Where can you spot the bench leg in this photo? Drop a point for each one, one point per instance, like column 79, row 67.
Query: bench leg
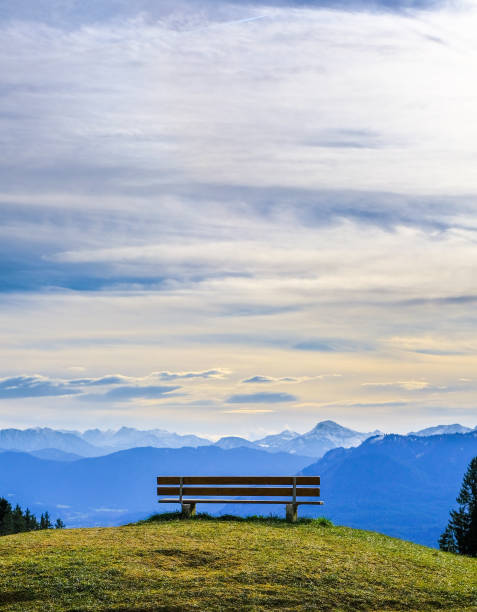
column 292, row 513
column 188, row 510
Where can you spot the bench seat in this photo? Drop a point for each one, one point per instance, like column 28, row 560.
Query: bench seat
column 239, row 501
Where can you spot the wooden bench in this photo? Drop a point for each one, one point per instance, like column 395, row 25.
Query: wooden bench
column 186, row 488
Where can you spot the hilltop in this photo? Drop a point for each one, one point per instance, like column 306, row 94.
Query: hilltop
column 228, row 565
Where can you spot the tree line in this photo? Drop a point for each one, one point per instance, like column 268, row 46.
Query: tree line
column 15, row 520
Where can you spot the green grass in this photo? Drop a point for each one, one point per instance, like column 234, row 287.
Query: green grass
column 207, row 564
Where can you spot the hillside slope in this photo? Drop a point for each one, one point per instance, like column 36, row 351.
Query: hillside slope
column 403, row 486
column 234, row 565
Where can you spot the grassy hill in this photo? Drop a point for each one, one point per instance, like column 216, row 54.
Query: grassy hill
column 229, row 565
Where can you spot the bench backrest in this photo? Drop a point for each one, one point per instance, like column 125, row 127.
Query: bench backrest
column 254, row 486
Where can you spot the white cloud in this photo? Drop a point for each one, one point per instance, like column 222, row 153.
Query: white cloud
column 259, row 379
column 406, row 385
column 184, row 376
column 307, row 98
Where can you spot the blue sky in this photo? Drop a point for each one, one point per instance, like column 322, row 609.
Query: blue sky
column 202, row 199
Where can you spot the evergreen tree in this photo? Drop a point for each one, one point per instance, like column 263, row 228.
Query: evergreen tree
column 6, row 519
column 14, row 520
column 5, row 507
column 461, row 533
column 30, row 520
column 19, row 523
column 447, row 540
column 7, row 524
column 45, row 522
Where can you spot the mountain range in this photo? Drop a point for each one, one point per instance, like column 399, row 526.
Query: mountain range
column 314, row 443
column 39, row 438
column 65, row 445
column 441, row 429
column 95, row 442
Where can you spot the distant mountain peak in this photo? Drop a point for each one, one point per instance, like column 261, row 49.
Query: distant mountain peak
column 229, row 442
column 441, row 429
column 329, row 425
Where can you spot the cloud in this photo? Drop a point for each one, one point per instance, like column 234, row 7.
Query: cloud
column 421, row 386
column 32, row 386
column 258, row 379
column 367, row 404
column 406, row 385
column 261, row 398
column 439, row 346
column 119, row 379
column 117, row 390
column 332, row 345
column 115, row 379
column 206, row 374
column 442, row 301
column 297, row 50
column 127, row 393
column 268, row 379
column 247, row 411
column 441, row 352
column 179, row 13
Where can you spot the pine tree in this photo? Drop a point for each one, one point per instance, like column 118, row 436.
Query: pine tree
column 30, row 520
column 5, row 507
column 461, row 533
column 14, row 520
column 447, row 540
column 45, row 522
column 6, row 519
column 19, row 522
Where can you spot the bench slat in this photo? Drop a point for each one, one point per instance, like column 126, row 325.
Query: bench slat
column 239, row 501
column 242, row 480
column 249, row 491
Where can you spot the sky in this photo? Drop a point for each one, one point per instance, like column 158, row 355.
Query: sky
column 231, row 219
